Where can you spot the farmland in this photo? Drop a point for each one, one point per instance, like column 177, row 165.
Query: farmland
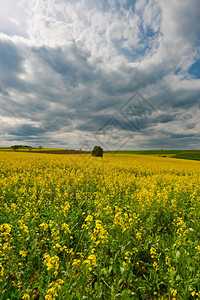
column 124, row 226
column 195, row 155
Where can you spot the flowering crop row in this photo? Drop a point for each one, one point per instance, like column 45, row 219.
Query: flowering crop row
column 119, row 227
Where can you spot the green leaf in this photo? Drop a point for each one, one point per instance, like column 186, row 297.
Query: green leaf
column 191, row 229
column 178, row 278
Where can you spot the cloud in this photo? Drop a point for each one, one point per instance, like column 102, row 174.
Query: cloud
column 10, row 59
column 12, row 19
column 69, row 66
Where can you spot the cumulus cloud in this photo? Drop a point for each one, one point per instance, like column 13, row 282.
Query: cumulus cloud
column 67, row 68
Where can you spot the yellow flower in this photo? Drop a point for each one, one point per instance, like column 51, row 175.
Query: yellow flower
column 26, row 297
column 6, row 228
column 51, row 262
column 99, row 234
column 174, row 293
column 1, row 270
column 23, row 253
column 76, row 262
column 49, row 297
column 66, row 228
column 153, row 252
column 92, row 259
column 44, row 226
column 52, row 291
column 138, row 235
column 155, row 265
column 198, row 248
column 57, row 246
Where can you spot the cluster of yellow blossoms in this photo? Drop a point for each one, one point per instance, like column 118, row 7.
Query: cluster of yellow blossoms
column 100, row 229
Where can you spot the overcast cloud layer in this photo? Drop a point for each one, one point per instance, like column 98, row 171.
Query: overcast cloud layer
column 123, row 74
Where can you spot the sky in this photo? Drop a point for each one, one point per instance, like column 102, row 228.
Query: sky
column 118, row 73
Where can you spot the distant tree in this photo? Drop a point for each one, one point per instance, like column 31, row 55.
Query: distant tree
column 40, row 147
column 97, row 151
column 15, row 147
column 30, row 148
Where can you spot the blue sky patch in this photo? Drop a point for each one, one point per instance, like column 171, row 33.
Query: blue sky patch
column 195, row 69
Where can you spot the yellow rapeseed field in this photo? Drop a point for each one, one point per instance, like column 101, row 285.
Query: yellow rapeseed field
column 117, row 227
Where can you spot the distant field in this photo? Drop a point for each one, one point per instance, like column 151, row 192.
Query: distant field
column 5, row 148
column 155, row 152
column 182, row 154
column 26, row 149
column 148, row 152
column 189, row 155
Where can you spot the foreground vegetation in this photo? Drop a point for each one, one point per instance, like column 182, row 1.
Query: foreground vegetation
column 117, row 227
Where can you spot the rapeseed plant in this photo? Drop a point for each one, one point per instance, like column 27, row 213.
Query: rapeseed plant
column 126, row 226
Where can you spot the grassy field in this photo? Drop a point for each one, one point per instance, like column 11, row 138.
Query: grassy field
column 155, row 152
column 148, row 152
column 188, row 155
column 117, row 227
column 183, row 154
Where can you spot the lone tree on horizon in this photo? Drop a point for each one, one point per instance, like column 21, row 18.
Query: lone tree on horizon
column 15, row 147
column 97, row 151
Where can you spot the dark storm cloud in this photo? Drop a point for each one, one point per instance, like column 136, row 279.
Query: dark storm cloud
column 25, row 130
column 70, row 62
column 10, row 61
column 3, row 91
column 10, row 66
